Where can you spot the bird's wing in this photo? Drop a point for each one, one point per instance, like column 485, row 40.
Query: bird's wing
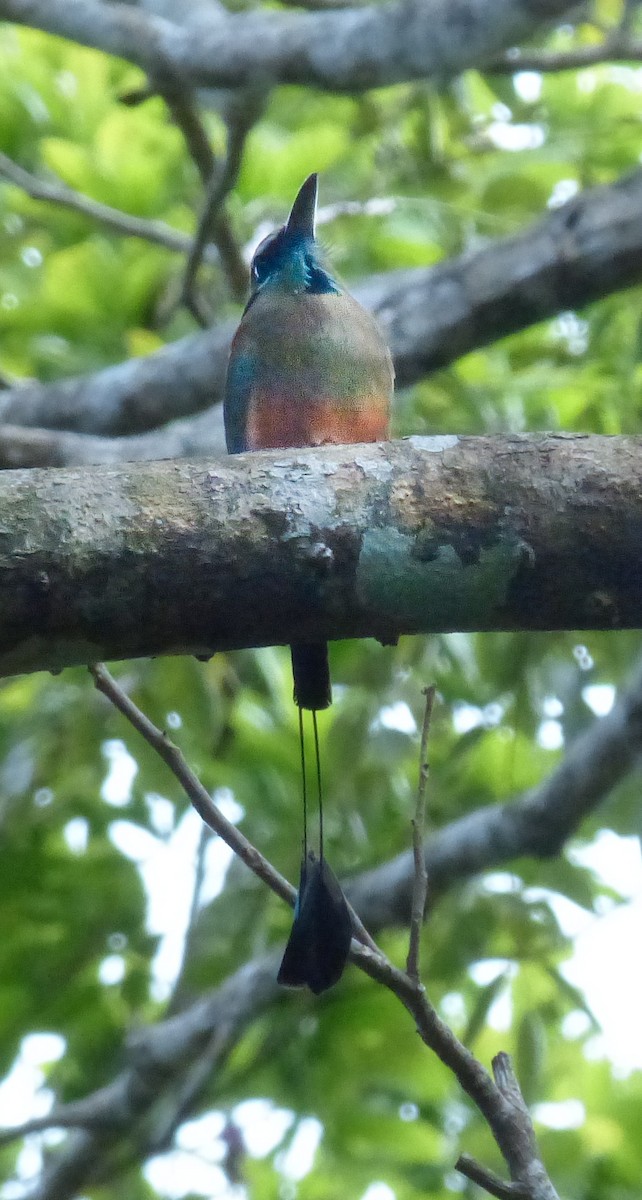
column 238, row 390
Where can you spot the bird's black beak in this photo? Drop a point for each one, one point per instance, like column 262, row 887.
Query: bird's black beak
column 303, row 213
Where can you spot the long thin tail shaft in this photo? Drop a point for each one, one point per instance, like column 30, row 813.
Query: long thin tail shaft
column 319, row 942
column 304, row 786
column 319, row 787
column 304, row 782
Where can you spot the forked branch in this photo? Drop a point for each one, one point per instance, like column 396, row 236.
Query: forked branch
column 499, row 1100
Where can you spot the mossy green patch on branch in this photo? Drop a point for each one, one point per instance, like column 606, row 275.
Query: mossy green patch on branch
column 396, row 582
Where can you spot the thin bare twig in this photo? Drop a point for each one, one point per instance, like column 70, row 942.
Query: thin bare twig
column 433, row 1031
column 611, row 50
column 222, row 248
column 178, row 97
column 500, row 1102
column 231, row 257
column 360, row 931
column 171, row 82
column 220, row 184
column 58, row 193
column 488, row 1180
column 420, row 882
column 198, row 795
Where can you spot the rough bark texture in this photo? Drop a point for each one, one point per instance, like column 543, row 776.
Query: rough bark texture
column 424, row 535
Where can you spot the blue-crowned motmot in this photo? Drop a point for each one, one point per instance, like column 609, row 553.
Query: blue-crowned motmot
column 308, row 366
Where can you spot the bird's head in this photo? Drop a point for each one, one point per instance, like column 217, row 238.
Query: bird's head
column 289, row 260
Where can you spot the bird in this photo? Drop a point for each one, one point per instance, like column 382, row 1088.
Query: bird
column 308, row 366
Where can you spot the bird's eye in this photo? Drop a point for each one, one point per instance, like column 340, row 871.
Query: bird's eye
column 266, row 258
column 260, row 266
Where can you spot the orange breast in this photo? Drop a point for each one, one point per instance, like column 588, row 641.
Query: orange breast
column 278, row 422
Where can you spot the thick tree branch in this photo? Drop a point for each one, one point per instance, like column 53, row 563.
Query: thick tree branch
column 507, row 551
column 21, row 446
column 582, row 251
column 424, row 535
column 586, row 249
column 347, row 49
column 141, row 394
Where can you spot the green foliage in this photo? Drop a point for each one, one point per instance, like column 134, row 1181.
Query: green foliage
column 75, row 296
